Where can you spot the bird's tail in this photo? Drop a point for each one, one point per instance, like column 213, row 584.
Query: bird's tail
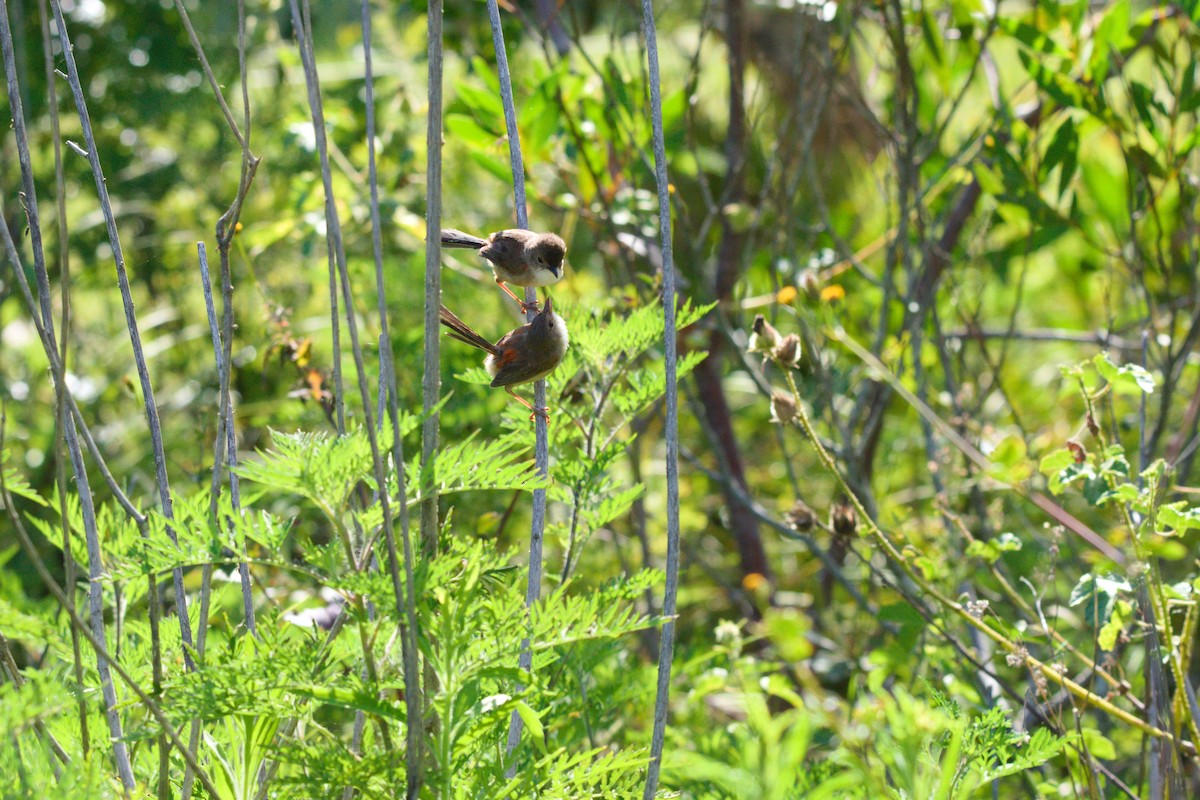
column 453, row 238
column 461, row 331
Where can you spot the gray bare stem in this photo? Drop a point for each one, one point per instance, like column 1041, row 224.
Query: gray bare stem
column 135, row 337
column 387, row 381
column 226, row 230
column 64, row 285
column 431, row 380
column 220, row 353
column 208, row 73
column 87, row 508
column 333, row 239
column 46, row 326
column 225, row 447
column 97, row 642
column 338, row 263
column 541, row 452
column 666, row 651
column 431, row 374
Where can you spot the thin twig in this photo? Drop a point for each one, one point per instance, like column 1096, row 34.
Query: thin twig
column 338, row 263
column 667, row 648
column 62, row 411
column 387, row 382
column 97, row 642
column 541, row 452
column 45, row 325
column 431, row 381
column 229, row 439
column 333, row 239
column 135, row 338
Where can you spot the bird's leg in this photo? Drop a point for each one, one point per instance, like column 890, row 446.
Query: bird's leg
column 544, row 413
column 524, row 306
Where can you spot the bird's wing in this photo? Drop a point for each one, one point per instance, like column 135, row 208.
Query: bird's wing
column 510, row 368
column 513, row 363
column 506, row 248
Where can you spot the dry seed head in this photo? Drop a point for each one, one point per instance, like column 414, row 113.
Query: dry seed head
column 788, row 351
column 763, row 336
column 783, row 406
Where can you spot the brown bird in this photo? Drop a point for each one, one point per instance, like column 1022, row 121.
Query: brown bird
column 519, row 257
column 524, row 355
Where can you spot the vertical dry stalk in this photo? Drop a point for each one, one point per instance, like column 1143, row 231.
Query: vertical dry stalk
column 541, row 453
column 97, row 643
column 333, row 240
column 431, row 377
column 64, row 281
column 338, row 262
column 156, row 441
column 667, row 649
column 96, row 631
column 46, row 329
column 387, row 383
column 225, row 445
column 225, row 442
column 431, row 380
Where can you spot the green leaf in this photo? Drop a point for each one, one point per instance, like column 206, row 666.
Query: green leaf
column 991, row 549
column 1055, row 82
column 1145, row 103
column 1064, row 151
column 483, row 101
column 530, row 717
column 1055, row 462
column 1108, row 633
column 471, row 133
column 1128, row 376
column 494, row 165
column 1110, row 34
column 1098, row 594
column 1179, row 517
column 364, row 700
column 1010, row 462
column 16, row 484
column 787, row 628
column 1099, row 745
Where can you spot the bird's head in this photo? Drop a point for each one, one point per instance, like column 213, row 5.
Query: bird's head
column 546, row 257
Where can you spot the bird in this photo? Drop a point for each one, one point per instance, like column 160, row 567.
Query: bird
column 523, row 355
column 519, row 257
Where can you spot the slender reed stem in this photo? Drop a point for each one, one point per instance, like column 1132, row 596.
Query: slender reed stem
column 387, row 383
column 46, row 328
column 97, row 642
column 431, row 381
column 667, row 649
column 135, row 337
column 541, row 451
column 333, row 241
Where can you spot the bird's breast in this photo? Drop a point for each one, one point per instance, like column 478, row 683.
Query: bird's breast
column 544, row 277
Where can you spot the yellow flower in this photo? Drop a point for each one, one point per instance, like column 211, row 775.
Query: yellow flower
column 832, row 293
column 753, row 582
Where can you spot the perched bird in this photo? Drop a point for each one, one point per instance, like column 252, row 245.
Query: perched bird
column 523, row 355
column 522, row 258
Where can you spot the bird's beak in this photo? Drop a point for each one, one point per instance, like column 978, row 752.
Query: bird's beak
column 549, row 304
